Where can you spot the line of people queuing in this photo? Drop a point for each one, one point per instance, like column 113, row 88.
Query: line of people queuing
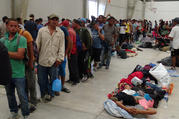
column 81, row 42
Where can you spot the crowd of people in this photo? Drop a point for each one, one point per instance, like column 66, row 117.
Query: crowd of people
column 82, row 42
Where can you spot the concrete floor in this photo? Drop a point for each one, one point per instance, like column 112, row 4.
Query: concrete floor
column 86, row 99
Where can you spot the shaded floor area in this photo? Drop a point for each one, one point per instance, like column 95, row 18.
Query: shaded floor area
column 86, row 99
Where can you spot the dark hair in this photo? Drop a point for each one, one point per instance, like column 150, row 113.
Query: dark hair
column 25, row 21
column 11, row 19
column 77, row 22
column 63, row 19
column 4, row 19
column 111, row 18
column 18, row 19
column 40, row 19
column 31, row 15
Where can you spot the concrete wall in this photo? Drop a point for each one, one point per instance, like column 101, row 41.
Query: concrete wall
column 117, row 8
column 5, row 8
column 165, row 10
column 138, row 11
column 64, row 8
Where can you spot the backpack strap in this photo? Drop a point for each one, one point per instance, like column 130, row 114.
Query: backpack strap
column 18, row 40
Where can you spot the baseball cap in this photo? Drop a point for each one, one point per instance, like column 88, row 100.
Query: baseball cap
column 66, row 23
column 176, row 19
column 53, row 16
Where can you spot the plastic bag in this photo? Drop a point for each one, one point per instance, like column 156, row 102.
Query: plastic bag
column 57, row 85
column 38, row 93
column 161, row 74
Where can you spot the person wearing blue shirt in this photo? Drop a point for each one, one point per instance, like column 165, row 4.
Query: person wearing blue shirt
column 98, row 37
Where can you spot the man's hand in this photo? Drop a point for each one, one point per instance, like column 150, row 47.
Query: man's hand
column 132, row 111
column 57, row 63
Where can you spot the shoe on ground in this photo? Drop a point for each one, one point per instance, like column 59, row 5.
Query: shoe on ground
column 69, row 81
column 66, row 90
column 74, row 84
column 172, row 68
column 32, row 108
column 14, row 116
column 107, row 67
column 57, row 93
column 48, row 98
column 85, row 78
column 26, row 117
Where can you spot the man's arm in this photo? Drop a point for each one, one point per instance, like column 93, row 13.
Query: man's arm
column 19, row 55
column 29, row 38
column 136, row 111
column 61, row 51
column 38, row 40
column 69, row 46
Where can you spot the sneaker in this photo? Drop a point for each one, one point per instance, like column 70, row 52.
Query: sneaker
column 48, row 98
column 14, row 116
column 172, row 68
column 32, row 108
column 85, row 78
column 26, row 117
column 66, row 90
column 57, row 93
column 44, row 100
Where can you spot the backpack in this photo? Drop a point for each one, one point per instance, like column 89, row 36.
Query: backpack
column 5, row 66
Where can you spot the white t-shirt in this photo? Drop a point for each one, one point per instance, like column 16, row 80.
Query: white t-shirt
column 175, row 35
column 122, row 29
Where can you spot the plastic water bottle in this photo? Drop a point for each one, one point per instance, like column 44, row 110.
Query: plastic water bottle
column 166, row 100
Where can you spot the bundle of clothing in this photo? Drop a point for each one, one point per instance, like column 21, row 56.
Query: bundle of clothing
column 140, row 89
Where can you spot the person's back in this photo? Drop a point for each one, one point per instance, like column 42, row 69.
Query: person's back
column 31, row 27
column 5, row 66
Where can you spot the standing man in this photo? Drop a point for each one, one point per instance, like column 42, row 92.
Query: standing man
column 174, row 36
column 110, row 37
column 3, row 26
column 51, row 47
column 83, row 47
column 72, row 57
column 30, row 72
column 16, row 46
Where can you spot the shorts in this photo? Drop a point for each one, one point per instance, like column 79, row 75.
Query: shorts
column 96, row 53
column 175, row 52
column 62, row 69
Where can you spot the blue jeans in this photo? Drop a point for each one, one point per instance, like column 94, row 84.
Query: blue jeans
column 155, row 87
column 20, row 85
column 106, row 55
column 45, row 83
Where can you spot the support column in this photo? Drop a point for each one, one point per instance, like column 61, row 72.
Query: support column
column 143, row 9
column 131, row 8
column 24, row 7
column 13, row 8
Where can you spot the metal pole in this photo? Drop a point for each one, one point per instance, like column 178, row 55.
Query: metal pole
column 144, row 7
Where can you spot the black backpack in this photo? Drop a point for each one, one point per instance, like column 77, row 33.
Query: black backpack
column 5, row 66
